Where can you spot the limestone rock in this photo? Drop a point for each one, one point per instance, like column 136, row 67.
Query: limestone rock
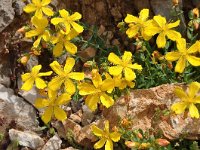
column 87, row 116
column 26, row 138
column 53, row 143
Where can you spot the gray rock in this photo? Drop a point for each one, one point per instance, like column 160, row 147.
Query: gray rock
column 4, row 74
column 14, row 108
column 6, row 13
column 69, row 148
column 26, row 138
column 18, row 7
column 53, row 143
column 87, row 116
column 33, row 61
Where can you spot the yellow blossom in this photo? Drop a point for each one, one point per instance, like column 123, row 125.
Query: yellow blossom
column 34, row 76
column 183, row 55
column 39, row 7
column 96, row 91
column 68, row 21
column 123, row 65
column 40, row 30
column 62, row 40
column 188, row 100
column 106, row 137
column 52, row 105
column 159, row 25
column 138, row 24
column 65, row 76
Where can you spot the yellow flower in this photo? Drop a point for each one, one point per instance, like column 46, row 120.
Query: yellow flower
column 68, row 21
column 96, row 91
column 124, row 65
column 188, row 100
column 65, row 76
column 138, row 24
column 105, row 137
column 160, row 26
column 39, row 31
column 52, row 106
column 183, row 55
column 63, row 40
column 34, row 76
column 39, row 7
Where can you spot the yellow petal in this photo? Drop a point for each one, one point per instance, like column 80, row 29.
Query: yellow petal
column 132, row 31
column 97, row 131
column 107, row 126
column 36, row 1
column 46, row 36
column 64, row 13
column 72, row 34
column 173, row 35
column 96, row 78
column 45, row 2
column 144, row 14
column 76, row 16
column 115, row 70
column 32, row 33
column 106, row 100
column 129, row 74
column 180, row 66
column 131, row 19
column 114, row 59
column 59, row 113
column 67, row 27
column 91, row 101
column 152, row 29
column 161, row 21
column 58, row 49
column 87, row 89
column 52, row 94
column 28, row 84
column 109, row 145
column 47, row 11
column 40, row 84
column 63, row 99
column 179, row 108
column 174, row 24
column 70, row 47
column 194, row 61
column 35, row 70
column 172, row 56
column 38, row 13
column 30, row 8
column 46, row 117
column 56, row 83
column 56, row 21
column 180, row 93
column 77, row 27
column 115, row 136
column 161, row 40
column 76, row 76
column 70, row 62
column 181, row 45
column 41, row 103
column 194, row 48
column 108, row 85
column 127, row 57
column 100, row 143
column 25, row 76
column 193, row 89
column 37, row 42
column 56, row 67
column 69, row 86
column 194, row 113
column 135, row 66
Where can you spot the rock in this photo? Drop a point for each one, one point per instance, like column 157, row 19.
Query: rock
column 6, row 13
column 5, row 73
column 15, row 109
column 33, row 61
column 59, row 128
column 53, row 143
column 69, row 148
column 146, row 108
column 87, row 116
column 75, row 118
column 18, row 7
column 87, row 53
column 26, row 138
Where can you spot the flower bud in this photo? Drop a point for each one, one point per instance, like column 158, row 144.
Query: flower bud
column 24, row 60
column 131, row 144
column 175, row 2
column 196, row 25
column 195, row 11
column 162, row 142
column 144, row 146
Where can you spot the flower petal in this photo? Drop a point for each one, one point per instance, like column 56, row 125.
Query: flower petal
column 37, row 42
column 28, row 84
column 173, row 35
column 70, row 47
column 45, row 73
column 40, row 84
column 91, row 101
column 127, row 57
column 108, row 85
column 161, row 21
column 47, row 11
column 194, row 61
column 131, row 19
column 32, row 33
column 46, row 117
column 179, row 107
column 172, row 56
column 76, row 76
column 41, row 103
column 109, row 145
column 45, row 2
column 35, row 70
column 135, row 66
column 194, row 113
column 180, row 66
column 25, row 76
column 181, row 45
column 113, row 58
column 69, row 86
column 174, row 24
column 132, row 30
column 129, row 74
column 106, row 100
column 87, row 89
column 56, row 83
column 96, row 78
column 100, row 143
column 180, row 93
column 70, row 62
column 115, row 70
column 97, row 131
column 144, row 14
column 76, row 16
column 56, row 67
column 63, row 99
column 46, row 36
column 194, row 48
column 115, row 136
column 59, row 113
column 38, row 13
column 161, row 40
column 56, row 21
column 77, row 27
column 30, row 8
column 193, row 89
column 64, row 13
column 58, row 49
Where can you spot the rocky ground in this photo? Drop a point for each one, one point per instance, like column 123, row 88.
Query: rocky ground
column 19, row 119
